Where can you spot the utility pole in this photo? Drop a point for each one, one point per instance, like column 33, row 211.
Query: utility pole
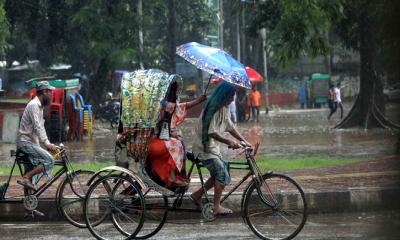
column 238, row 36
column 263, row 33
column 221, row 24
column 140, row 12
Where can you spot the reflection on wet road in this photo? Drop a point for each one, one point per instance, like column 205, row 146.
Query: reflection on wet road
column 281, row 133
column 363, row 226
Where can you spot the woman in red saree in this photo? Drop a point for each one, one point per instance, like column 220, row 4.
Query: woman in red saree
column 167, row 154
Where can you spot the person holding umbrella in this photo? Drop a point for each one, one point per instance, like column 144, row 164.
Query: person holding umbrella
column 213, row 122
column 215, row 118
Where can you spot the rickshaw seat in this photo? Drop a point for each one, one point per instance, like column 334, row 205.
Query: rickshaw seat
column 190, row 156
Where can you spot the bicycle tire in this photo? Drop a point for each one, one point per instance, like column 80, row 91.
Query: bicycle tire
column 104, row 202
column 70, row 197
column 286, row 214
column 155, row 216
column 114, row 122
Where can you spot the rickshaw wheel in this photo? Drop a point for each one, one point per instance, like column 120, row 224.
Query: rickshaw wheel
column 107, row 199
column 155, row 216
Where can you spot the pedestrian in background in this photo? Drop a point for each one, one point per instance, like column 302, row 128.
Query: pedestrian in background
column 241, row 104
column 338, row 99
column 255, row 103
column 232, row 110
column 331, row 100
column 302, row 94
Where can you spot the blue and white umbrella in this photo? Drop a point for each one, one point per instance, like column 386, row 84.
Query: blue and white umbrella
column 215, row 61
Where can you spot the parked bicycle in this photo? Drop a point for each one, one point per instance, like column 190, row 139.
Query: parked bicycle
column 70, row 192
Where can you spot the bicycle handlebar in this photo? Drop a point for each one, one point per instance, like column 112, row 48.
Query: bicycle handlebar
column 242, row 145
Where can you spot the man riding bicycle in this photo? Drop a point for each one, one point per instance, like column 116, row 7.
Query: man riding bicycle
column 213, row 122
column 32, row 134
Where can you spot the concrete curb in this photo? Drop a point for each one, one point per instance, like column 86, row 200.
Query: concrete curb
column 319, row 201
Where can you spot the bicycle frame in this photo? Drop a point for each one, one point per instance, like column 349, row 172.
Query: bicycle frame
column 64, row 162
column 249, row 164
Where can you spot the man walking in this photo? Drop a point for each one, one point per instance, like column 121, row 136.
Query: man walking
column 338, row 98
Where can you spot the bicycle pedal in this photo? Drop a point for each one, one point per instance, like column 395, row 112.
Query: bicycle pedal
column 38, row 213
column 33, row 214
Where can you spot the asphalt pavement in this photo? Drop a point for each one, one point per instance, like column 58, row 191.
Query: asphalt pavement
column 346, row 226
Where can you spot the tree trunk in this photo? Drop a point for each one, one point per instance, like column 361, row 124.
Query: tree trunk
column 369, row 108
column 98, row 83
column 171, row 35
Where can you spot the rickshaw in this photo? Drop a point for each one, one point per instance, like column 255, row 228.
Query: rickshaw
column 130, row 203
column 319, row 84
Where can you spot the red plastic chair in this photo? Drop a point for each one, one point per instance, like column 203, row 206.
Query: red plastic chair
column 57, row 102
column 32, row 93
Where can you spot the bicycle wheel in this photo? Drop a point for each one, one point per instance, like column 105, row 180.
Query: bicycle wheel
column 70, row 197
column 106, row 202
column 277, row 209
column 114, row 122
column 155, row 215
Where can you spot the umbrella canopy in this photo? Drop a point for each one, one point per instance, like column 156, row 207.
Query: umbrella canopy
column 215, row 61
column 254, row 76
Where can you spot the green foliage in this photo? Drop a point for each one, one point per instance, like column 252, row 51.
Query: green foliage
column 4, row 28
column 296, row 28
column 107, row 30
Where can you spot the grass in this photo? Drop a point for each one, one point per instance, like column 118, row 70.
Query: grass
column 15, row 100
column 5, row 171
column 265, row 163
column 298, row 163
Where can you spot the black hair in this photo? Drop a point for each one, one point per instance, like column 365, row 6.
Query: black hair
column 172, row 94
column 40, row 92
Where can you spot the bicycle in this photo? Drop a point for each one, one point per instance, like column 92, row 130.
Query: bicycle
column 273, row 205
column 70, row 192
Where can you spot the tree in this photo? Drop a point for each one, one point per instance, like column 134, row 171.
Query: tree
column 108, row 38
column 299, row 27
column 4, row 28
column 361, row 29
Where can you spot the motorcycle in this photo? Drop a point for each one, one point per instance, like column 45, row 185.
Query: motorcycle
column 108, row 111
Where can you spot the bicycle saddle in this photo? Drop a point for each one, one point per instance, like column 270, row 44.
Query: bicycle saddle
column 20, row 156
column 190, row 156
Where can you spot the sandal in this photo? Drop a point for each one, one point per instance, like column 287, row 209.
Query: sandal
column 223, row 211
column 26, row 183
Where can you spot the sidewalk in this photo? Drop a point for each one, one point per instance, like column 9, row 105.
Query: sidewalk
column 361, row 186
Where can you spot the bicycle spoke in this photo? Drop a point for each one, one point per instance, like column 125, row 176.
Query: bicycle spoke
column 285, row 218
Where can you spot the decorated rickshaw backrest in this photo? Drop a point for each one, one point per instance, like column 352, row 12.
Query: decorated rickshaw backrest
column 142, row 92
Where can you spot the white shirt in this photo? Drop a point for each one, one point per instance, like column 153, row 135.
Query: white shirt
column 31, row 127
column 337, row 94
column 220, row 123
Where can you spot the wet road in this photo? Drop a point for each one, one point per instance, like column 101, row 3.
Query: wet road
column 281, row 133
column 363, row 226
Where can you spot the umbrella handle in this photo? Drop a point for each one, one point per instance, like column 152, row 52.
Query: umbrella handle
column 209, row 80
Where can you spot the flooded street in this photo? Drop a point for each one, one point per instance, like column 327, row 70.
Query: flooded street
column 281, row 133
